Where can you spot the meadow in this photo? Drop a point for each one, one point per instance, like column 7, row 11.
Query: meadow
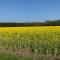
column 38, row 43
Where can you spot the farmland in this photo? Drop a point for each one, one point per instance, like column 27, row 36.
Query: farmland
column 31, row 41
column 33, row 28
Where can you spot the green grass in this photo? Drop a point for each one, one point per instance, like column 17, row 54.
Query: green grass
column 4, row 56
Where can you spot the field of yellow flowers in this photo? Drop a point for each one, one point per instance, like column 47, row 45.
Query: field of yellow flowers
column 27, row 40
column 24, row 29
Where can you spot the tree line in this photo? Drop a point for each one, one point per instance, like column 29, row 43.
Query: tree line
column 46, row 23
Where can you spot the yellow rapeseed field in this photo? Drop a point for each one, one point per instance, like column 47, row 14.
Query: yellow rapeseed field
column 24, row 29
column 37, row 39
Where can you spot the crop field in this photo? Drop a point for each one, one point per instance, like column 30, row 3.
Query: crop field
column 35, row 42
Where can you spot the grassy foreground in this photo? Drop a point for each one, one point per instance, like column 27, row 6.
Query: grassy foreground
column 39, row 43
column 4, row 56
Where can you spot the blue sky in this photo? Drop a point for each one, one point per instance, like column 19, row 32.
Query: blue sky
column 29, row 10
